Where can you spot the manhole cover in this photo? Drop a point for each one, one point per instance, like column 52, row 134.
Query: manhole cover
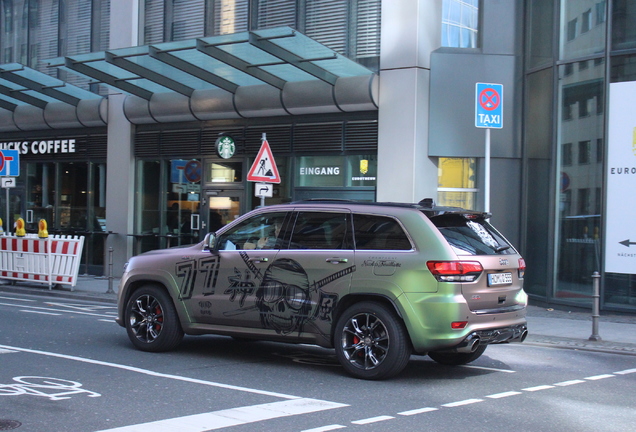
column 9, row 424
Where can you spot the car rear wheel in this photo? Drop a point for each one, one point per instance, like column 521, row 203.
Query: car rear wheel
column 152, row 322
column 371, row 342
column 455, row 359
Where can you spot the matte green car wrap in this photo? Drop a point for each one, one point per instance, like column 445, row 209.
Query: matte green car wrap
column 376, row 281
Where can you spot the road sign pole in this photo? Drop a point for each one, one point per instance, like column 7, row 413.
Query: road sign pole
column 487, row 173
column 7, row 221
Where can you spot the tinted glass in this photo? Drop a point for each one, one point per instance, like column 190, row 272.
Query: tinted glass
column 379, row 233
column 258, row 232
column 317, row 230
column 471, row 236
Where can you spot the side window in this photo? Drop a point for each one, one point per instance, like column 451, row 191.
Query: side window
column 379, row 233
column 259, row 232
column 321, row 230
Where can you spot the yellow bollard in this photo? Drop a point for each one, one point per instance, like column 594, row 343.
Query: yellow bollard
column 1, row 229
column 19, row 228
column 42, row 229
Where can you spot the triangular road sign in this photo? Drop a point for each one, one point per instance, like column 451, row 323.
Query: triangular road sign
column 264, row 167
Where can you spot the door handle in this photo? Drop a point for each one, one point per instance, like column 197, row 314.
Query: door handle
column 258, row 260
column 337, row 260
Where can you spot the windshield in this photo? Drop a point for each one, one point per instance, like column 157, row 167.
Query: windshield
column 471, row 236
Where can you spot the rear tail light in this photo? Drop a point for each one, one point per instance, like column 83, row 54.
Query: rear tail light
column 455, row 271
column 522, row 268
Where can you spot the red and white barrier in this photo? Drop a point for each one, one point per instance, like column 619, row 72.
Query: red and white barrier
column 53, row 260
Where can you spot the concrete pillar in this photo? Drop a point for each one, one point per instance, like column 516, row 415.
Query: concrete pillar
column 120, row 179
column 411, row 30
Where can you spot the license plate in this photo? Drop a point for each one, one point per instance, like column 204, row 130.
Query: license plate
column 499, row 279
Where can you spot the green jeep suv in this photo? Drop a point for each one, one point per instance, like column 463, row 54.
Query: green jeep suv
column 378, row 282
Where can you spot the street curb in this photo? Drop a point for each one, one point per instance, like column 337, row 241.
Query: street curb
column 581, row 345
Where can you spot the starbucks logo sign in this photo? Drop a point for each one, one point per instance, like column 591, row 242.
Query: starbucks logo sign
column 225, row 146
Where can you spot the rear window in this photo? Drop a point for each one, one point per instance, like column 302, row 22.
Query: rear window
column 379, row 233
column 471, row 236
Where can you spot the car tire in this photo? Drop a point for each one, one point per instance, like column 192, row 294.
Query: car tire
column 456, row 359
column 371, row 341
column 152, row 322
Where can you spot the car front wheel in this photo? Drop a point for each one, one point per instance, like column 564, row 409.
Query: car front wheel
column 152, row 322
column 371, row 342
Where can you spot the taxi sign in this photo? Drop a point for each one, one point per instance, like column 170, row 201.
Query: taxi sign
column 489, row 105
column 9, row 163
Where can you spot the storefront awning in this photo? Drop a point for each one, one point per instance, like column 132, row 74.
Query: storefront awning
column 33, row 100
column 270, row 72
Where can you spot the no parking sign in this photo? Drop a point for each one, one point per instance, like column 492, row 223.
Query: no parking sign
column 489, row 105
column 9, row 163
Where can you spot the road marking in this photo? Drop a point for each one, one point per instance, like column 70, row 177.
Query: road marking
column 418, row 411
column 598, row 377
column 16, row 299
column 488, row 368
column 569, row 383
column 372, row 420
column 40, row 312
column 57, row 310
column 151, row 373
column 325, row 428
column 626, row 371
column 503, row 395
column 462, row 403
column 5, row 351
column 107, row 320
column 537, row 388
column 232, row 417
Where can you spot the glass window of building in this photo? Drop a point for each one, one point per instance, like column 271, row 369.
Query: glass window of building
column 578, row 222
column 623, row 29
column 538, row 138
column 460, row 19
column 539, row 22
column 582, row 28
column 456, row 182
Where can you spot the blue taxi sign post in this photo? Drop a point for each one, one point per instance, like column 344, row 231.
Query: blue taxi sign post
column 488, row 115
column 9, row 168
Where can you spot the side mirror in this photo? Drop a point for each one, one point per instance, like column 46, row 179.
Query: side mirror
column 209, row 242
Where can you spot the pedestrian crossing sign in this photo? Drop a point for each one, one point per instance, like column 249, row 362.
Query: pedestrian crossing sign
column 264, row 167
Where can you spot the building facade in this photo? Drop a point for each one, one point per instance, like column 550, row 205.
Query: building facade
column 138, row 122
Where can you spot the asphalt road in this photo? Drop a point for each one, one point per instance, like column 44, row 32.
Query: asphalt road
column 66, row 366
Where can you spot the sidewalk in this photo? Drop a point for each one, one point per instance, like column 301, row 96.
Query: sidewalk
column 546, row 326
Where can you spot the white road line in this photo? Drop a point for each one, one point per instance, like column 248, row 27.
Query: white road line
column 151, row 373
column 503, row 394
column 325, row 428
column 58, row 310
column 16, row 299
column 40, row 312
column 489, row 369
column 372, row 420
column 625, row 372
column 107, row 320
column 598, row 377
column 537, row 388
column 4, row 351
column 232, row 417
column 462, row 403
column 569, row 383
column 418, row 411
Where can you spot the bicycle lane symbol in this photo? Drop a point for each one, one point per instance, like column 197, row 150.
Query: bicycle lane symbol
column 52, row 388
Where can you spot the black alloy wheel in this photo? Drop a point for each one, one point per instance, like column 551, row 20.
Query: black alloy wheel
column 371, row 341
column 152, row 322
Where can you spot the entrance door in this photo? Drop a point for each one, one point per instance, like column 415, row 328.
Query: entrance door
column 220, row 207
